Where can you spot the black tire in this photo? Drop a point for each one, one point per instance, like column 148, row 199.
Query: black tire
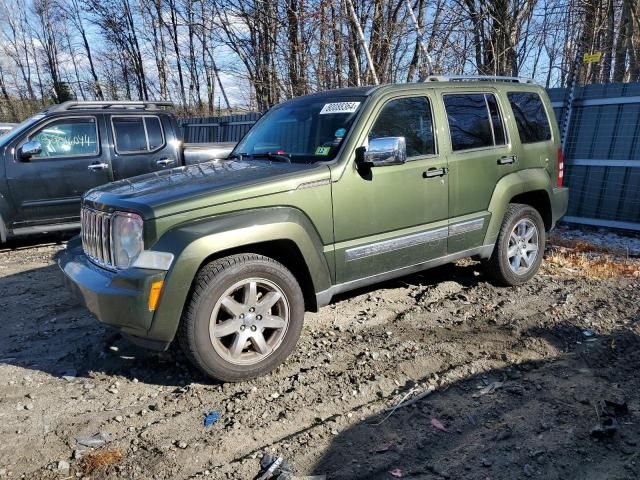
column 498, row 267
column 212, row 281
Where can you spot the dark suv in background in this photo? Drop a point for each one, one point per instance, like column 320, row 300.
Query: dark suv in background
column 51, row 159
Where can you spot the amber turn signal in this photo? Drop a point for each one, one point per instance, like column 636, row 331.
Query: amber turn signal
column 154, row 294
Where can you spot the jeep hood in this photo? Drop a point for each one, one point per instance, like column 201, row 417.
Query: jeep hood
column 180, row 189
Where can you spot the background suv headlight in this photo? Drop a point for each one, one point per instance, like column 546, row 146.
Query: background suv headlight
column 126, row 238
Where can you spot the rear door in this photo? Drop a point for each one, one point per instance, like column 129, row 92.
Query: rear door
column 47, row 188
column 480, row 153
column 140, row 144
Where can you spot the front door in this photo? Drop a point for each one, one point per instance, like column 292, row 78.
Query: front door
column 47, row 187
column 393, row 216
column 140, row 145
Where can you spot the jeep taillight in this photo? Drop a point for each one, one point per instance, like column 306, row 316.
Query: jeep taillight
column 560, row 167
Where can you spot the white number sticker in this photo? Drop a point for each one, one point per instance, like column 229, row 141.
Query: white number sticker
column 340, row 107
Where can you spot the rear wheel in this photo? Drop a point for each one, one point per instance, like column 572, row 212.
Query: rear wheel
column 519, row 249
column 244, row 317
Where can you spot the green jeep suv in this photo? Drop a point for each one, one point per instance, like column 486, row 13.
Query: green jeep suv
column 327, row 193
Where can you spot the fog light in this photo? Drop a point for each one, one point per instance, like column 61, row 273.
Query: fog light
column 154, row 294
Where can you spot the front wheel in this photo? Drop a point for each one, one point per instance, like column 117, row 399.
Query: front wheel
column 243, row 318
column 518, row 252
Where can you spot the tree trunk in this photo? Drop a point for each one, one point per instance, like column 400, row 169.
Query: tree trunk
column 337, row 45
column 173, row 33
column 620, row 49
column 607, row 47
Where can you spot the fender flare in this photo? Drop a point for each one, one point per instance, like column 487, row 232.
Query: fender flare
column 194, row 243
column 508, row 187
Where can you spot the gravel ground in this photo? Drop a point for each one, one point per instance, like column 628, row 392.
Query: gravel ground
column 512, row 383
column 616, row 241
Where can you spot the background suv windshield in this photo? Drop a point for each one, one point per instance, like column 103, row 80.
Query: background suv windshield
column 18, row 129
column 305, row 130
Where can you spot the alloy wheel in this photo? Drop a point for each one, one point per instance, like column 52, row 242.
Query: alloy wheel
column 524, row 246
column 249, row 321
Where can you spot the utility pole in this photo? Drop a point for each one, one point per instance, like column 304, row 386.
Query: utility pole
column 224, row 94
column 423, row 47
column 363, row 42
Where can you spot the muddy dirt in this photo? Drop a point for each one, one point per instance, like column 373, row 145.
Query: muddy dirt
column 518, row 378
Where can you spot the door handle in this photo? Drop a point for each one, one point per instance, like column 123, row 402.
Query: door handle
column 94, row 167
column 507, row 160
column 163, row 162
column 435, row 172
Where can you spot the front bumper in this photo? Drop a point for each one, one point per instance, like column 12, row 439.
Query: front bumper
column 118, row 299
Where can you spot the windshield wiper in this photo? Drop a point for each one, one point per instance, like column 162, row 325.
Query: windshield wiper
column 276, row 157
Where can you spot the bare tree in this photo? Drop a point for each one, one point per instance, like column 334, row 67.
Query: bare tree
column 183, row 49
column 74, row 14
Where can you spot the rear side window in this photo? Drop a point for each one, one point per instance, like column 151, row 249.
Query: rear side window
column 137, row 134
column 409, row 118
column 154, row 132
column 474, row 121
column 531, row 118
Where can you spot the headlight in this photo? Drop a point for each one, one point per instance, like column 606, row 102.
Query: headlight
column 126, row 238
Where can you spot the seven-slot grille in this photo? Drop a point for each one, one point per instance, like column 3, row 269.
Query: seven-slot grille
column 96, row 236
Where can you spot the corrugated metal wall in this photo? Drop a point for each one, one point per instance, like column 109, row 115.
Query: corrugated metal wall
column 602, row 151
column 602, row 154
column 217, row 129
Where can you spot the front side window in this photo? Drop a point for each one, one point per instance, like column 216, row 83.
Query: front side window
column 137, row 134
column 409, row 118
column 69, row 137
column 474, row 121
column 303, row 130
column 531, row 118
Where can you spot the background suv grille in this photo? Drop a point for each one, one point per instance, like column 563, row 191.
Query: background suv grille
column 96, row 236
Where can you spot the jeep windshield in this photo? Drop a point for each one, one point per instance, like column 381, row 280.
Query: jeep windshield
column 305, row 130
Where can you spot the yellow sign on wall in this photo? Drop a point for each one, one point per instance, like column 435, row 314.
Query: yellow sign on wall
column 592, row 57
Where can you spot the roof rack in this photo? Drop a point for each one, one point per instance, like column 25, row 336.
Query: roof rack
column 477, row 78
column 127, row 104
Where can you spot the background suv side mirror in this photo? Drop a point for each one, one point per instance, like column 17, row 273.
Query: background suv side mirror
column 29, row 149
column 382, row 152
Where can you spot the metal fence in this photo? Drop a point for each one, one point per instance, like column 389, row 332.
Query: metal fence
column 230, row 128
column 602, row 150
column 602, row 154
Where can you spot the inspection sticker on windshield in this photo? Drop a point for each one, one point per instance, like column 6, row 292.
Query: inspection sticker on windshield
column 340, row 107
column 323, row 151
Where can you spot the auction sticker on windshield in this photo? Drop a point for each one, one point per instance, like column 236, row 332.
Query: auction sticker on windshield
column 339, row 107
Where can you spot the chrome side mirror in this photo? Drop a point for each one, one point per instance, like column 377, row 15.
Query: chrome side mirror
column 29, row 149
column 385, row 151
